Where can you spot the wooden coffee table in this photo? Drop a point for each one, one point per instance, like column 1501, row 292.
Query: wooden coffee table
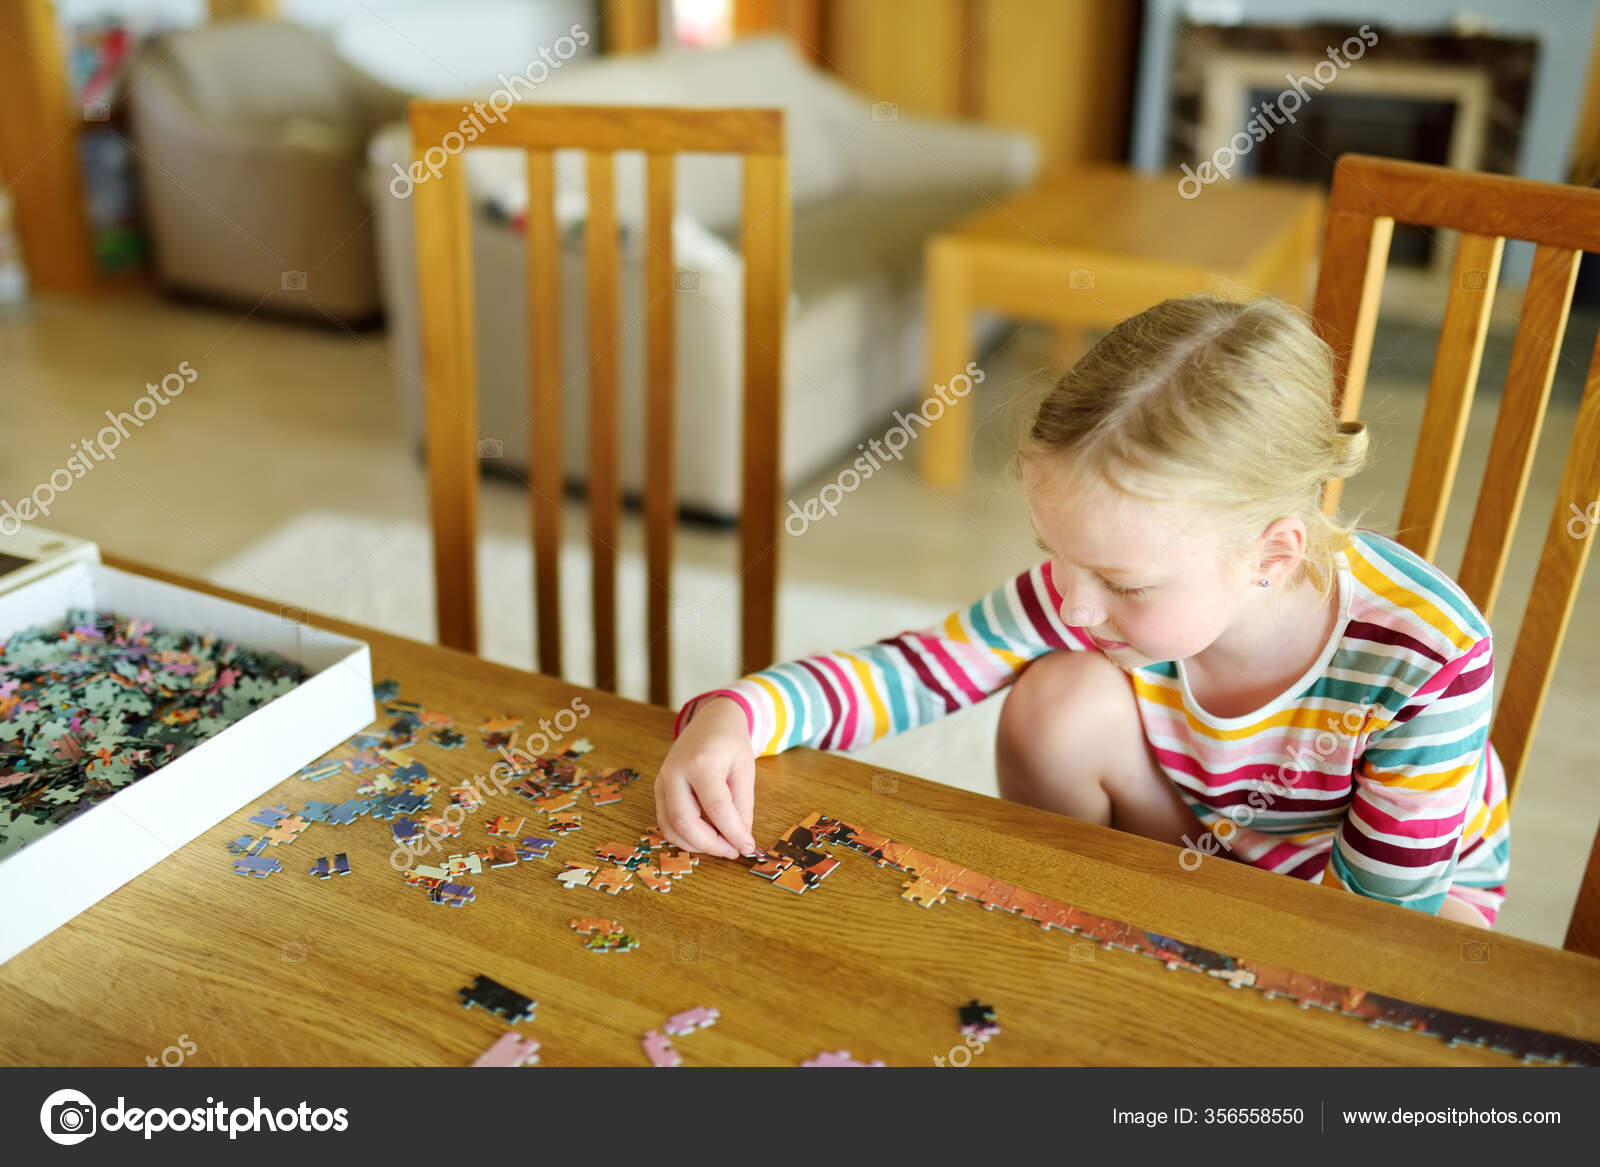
column 1085, row 249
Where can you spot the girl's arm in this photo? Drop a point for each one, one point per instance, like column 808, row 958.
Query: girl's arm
column 1416, row 787
column 841, row 700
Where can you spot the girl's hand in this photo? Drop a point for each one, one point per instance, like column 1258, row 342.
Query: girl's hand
column 705, row 789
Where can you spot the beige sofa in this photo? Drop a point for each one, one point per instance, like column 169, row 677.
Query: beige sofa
column 869, row 185
column 252, row 138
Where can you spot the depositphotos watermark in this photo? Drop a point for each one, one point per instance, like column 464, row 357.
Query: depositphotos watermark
column 895, row 439
column 469, row 129
column 70, row 1116
column 1260, row 126
column 1268, row 790
column 38, row 502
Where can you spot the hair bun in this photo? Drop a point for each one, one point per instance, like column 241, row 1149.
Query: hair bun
column 1350, row 448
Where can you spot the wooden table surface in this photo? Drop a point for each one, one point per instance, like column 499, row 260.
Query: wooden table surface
column 363, row 969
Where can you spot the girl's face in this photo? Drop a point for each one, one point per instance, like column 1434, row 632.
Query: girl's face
column 1140, row 578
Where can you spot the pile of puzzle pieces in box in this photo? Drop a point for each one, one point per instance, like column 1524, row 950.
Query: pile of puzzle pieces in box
column 657, row 863
column 94, row 704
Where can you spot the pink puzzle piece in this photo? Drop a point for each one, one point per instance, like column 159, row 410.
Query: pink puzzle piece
column 511, row 1050
column 836, row 1059
column 690, row 1020
column 659, row 1050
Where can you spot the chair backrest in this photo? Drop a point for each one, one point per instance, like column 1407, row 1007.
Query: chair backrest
column 1369, row 196
column 443, row 250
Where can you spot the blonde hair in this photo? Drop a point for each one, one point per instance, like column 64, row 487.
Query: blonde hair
column 1222, row 404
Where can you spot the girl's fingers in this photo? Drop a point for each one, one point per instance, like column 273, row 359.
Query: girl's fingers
column 742, row 785
column 694, row 833
column 717, row 805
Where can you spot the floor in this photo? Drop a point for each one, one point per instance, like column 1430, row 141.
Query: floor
column 284, row 418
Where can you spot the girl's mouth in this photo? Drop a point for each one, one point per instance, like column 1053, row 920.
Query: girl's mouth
column 1109, row 644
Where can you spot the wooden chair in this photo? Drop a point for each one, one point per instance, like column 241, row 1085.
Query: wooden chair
column 1369, row 196
column 443, row 249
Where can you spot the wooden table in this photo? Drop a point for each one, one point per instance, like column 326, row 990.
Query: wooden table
column 362, row 969
column 1086, row 249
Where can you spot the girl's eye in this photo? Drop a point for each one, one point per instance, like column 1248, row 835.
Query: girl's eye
column 1115, row 590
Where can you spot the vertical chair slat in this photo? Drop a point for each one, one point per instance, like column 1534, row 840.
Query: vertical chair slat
column 1355, row 252
column 1455, row 375
column 450, row 385
column 1516, row 431
column 604, row 326
column 764, row 241
column 1555, row 588
column 661, row 430
column 544, row 403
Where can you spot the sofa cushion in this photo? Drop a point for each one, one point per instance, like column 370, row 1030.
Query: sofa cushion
column 262, row 73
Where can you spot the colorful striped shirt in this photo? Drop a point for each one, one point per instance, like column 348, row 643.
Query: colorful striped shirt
column 1373, row 772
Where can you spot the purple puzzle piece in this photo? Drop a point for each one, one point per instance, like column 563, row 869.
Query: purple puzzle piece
column 256, row 865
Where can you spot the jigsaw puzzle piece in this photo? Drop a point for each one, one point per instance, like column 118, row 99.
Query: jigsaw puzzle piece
column 326, row 768
column 836, row 1059
column 700, row 1017
column 652, row 878
column 256, row 865
column 269, row 816
column 496, row 998
column 659, row 1050
column 534, row 848
column 511, row 1051
column 575, row 876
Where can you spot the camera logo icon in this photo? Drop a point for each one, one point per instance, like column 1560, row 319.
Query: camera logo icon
column 68, row 1117
column 686, row 281
column 293, row 281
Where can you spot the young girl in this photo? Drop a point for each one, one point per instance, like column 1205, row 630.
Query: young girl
column 1204, row 658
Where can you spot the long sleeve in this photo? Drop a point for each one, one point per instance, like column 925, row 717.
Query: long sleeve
column 1418, row 779
column 841, row 700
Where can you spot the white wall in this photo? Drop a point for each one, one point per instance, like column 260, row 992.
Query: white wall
column 435, row 48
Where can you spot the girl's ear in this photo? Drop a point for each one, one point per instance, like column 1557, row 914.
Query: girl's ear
column 1282, row 547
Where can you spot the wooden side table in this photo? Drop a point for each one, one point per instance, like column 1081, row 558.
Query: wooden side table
column 1086, row 249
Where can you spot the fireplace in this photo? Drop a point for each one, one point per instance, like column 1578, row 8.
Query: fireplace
column 1452, row 99
column 1492, row 90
